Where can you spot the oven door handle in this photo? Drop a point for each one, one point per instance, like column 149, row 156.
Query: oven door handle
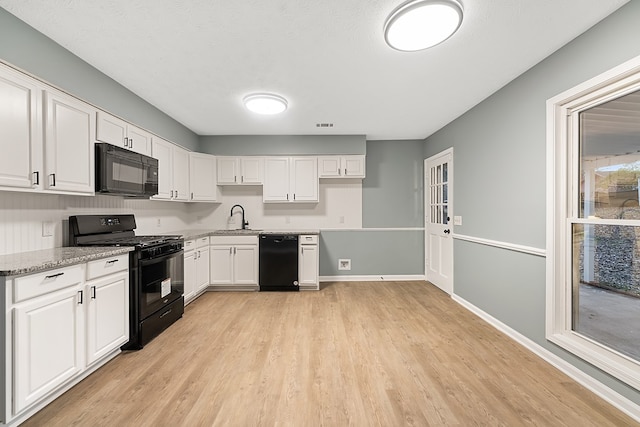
column 161, row 258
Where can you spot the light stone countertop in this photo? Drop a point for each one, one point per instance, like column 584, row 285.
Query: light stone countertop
column 45, row 259
column 194, row 234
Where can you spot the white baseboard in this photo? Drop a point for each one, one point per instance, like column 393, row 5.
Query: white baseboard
column 372, row 278
column 609, row 395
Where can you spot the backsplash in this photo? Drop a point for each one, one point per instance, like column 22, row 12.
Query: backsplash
column 23, row 217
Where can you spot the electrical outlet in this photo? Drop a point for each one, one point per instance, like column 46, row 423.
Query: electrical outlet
column 231, row 220
column 344, row 264
column 47, row 229
column 158, row 223
column 341, row 219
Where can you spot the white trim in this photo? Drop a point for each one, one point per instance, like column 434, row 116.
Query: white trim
column 601, row 390
column 562, row 212
column 503, row 245
column 373, row 278
column 375, row 229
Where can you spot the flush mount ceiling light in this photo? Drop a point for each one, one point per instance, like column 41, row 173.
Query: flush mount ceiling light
column 265, row 103
column 420, row 24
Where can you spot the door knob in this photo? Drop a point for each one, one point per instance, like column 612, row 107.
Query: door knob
column 447, row 231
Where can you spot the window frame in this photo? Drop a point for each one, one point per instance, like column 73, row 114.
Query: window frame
column 563, row 211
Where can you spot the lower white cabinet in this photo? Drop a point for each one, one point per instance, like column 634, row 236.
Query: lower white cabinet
column 309, row 261
column 107, row 302
column 234, row 262
column 48, row 342
column 62, row 324
column 196, row 268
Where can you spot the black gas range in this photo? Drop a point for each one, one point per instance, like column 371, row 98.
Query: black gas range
column 156, row 271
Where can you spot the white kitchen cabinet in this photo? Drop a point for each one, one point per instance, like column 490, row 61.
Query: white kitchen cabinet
column 203, row 178
column 68, row 144
column 290, row 179
column 173, row 170
column 116, row 131
column 189, row 291
column 48, row 328
column 234, row 262
column 240, row 170
column 202, row 266
column 309, row 261
column 62, row 324
column 107, row 302
column 20, row 131
column 196, row 268
column 341, row 166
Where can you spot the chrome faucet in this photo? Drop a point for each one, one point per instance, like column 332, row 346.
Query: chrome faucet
column 244, row 223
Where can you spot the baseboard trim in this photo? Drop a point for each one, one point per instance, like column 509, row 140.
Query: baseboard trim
column 372, row 278
column 622, row 403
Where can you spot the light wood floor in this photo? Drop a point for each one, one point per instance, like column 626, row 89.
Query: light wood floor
column 361, row 354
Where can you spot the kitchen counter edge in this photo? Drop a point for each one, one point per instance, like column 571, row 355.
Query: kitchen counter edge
column 45, row 259
column 196, row 234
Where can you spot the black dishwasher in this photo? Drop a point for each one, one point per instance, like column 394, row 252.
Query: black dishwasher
column 279, row 262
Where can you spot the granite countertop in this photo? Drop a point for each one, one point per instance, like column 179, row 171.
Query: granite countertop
column 45, row 259
column 194, row 234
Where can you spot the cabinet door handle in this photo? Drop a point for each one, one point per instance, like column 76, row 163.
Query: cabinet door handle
column 37, row 178
column 241, row 179
column 294, row 196
column 191, row 196
column 302, row 249
column 235, row 250
column 126, row 142
column 53, row 179
column 80, row 297
column 287, row 197
column 345, row 171
column 130, row 142
column 230, row 251
column 93, row 292
column 176, row 194
column 53, row 276
column 112, row 261
column 235, row 178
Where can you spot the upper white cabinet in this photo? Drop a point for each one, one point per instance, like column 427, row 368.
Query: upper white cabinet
column 341, row 166
column 290, row 179
column 173, row 170
column 240, row 170
column 68, row 144
column 117, row 132
column 203, row 178
column 20, row 130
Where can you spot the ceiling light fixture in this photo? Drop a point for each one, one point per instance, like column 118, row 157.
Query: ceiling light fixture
column 421, row 24
column 265, row 103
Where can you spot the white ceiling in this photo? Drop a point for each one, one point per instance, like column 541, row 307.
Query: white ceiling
column 195, row 60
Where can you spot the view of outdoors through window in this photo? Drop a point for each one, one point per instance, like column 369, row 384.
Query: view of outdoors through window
column 606, row 254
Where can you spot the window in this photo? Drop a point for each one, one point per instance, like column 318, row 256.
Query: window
column 593, row 237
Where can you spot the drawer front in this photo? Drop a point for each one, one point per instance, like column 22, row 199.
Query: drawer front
column 308, row 239
column 189, row 245
column 33, row 285
column 234, row 240
column 202, row 242
column 102, row 267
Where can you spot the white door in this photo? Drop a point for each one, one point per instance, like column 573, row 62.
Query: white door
column 438, row 225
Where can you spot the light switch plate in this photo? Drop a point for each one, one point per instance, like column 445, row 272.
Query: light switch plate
column 457, row 220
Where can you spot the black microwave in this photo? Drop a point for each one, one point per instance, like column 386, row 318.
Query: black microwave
column 122, row 172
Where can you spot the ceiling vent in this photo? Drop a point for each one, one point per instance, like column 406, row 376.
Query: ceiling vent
column 324, row 125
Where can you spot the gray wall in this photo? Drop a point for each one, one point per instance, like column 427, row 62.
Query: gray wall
column 274, row 145
column 393, row 190
column 23, row 47
column 499, row 180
